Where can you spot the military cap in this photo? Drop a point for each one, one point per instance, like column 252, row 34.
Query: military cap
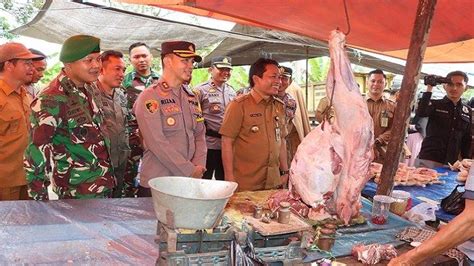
column 286, row 71
column 222, row 62
column 181, row 49
column 14, row 50
column 78, row 47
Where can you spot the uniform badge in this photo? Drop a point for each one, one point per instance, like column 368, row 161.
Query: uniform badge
column 211, row 90
column 163, row 93
column 170, row 121
column 254, row 129
column 191, row 48
column 465, row 109
column 151, row 106
column 215, row 108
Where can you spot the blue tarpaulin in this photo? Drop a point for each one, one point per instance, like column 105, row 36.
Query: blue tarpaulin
column 368, row 233
column 434, row 192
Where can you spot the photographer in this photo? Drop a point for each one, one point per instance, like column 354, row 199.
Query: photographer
column 448, row 132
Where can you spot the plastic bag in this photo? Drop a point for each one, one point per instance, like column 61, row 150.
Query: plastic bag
column 421, row 213
column 454, row 203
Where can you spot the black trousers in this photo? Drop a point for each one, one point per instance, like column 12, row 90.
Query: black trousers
column 214, row 165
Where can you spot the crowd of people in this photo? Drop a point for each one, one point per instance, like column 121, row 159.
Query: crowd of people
column 96, row 132
column 94, row 129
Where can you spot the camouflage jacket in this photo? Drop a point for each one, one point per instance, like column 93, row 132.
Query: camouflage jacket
column 116, row 119
column 134, row 84
column 67, row 144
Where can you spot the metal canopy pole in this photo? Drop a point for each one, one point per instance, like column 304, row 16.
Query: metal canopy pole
column 418, row 43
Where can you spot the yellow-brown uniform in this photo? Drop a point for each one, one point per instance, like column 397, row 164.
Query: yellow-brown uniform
column 381, row 112
column 257, row 127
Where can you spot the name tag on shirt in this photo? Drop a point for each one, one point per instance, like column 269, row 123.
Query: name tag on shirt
column 442, row 111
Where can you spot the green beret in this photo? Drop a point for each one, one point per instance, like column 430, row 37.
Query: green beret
column 78, row 47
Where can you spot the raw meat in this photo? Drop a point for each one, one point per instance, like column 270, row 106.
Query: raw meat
column 374, row 253
column 463, row 168
column 331, row 165
column 408, row 176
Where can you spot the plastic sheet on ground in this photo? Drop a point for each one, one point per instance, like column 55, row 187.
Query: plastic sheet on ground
column 96, row 231
column 434, row 192
column 364, row 234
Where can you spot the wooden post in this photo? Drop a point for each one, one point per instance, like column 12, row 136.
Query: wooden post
column 416, row 51
column 307, row 78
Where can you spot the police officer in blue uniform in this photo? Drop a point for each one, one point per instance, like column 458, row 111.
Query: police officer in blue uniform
column 214, row 96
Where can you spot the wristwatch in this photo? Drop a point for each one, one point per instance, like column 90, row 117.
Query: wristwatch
column 284, row 172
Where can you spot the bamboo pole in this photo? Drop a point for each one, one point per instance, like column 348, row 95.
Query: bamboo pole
column 418, row 43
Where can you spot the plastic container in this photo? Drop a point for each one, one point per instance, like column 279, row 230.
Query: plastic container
column 185, row 202
column 400, row 202
column 380, row 209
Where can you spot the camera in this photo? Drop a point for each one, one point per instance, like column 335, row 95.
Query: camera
column 434, row 80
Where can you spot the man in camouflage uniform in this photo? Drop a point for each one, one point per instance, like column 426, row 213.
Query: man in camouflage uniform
column 290, row 109
column 134, row 83
column 170, row 120
column 68, row 146
column 112, row 102
column 214, row 96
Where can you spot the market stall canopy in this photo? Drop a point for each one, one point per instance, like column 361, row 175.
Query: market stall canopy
column 117, row 29
column 58, row 20
column 383, row 27
column 245, row 52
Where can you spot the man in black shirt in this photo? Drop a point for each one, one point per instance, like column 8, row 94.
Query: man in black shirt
column 448, row 133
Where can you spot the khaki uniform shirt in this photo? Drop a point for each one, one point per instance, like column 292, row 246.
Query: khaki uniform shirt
column 257, row 128
column 214, row 101
column 14, row 125
column 381, row 112
column 172, row 126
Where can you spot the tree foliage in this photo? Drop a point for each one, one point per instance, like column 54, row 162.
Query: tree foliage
column 318, row 69
column 22, row 13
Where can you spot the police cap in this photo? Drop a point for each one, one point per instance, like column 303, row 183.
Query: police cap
column 180, row 48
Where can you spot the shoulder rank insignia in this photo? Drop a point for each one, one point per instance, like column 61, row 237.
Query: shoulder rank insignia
column 465, row 109
column 151, row 106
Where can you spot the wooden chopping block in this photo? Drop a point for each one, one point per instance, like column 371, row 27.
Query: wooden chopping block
column 296, row 224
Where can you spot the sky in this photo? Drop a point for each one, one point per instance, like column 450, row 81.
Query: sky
column 52, row 48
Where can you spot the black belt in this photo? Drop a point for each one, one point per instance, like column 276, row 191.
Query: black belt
column 213, row 133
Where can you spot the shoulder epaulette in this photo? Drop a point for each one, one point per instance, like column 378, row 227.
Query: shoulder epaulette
column 230, row 86
column 196, row 91
column 241, row 97
column 278, row 100
column 188, row 90
column 202, row 84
